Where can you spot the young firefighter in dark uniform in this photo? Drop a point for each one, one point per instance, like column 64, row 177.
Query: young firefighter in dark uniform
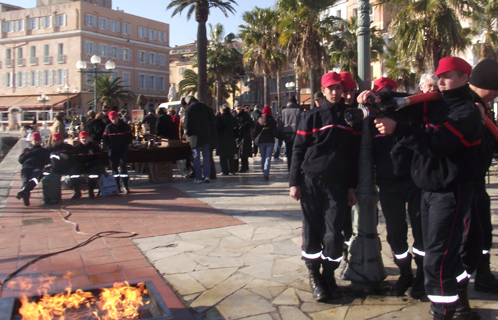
column 33, row 160
column 86, row 159
column 61, row 155
column 397, row 192
column 443, row 166
column 323, row 175
column 484, row 84
column 117, row 137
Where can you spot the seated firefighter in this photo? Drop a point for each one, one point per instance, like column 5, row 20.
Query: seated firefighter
column 86, row 159
column 61, row 155
column 33, row 160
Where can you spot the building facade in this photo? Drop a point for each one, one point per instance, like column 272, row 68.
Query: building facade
column 41, row 46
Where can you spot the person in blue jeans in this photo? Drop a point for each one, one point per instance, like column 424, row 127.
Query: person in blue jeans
column 264, row 135
column 200, row 130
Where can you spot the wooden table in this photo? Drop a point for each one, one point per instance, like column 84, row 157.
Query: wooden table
column 159, row 154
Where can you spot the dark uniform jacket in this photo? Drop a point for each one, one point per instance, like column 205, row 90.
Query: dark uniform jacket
column 34, row 157
column 446, row 146
column 488, row 146
column 326, row 147
column 96, row 129
column 61, row 158
column 86, row 155
column 117, row 137
column 151, row 121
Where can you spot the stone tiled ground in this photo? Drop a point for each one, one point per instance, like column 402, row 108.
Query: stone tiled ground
column 253, row 271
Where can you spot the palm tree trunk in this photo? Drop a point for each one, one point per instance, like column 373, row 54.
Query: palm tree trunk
column 202, row 61
column 312, row 87
column 279, row 92
column 298, row 87
column 266, row 90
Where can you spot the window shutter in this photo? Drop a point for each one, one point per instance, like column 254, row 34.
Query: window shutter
column 42, row 78
column 157, row 59
column 64, row 19
column 37, row 78
column 5, row 79
column 50, row 77
column 147, row 57
column 140, row 84
column 56, row 77
column 108, row 51
column 64, row 75
column 23, row 81
column 120, row 53
column 118, row 26
column 30, row 78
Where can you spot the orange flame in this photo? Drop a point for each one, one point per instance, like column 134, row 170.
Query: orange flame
column 122, row 301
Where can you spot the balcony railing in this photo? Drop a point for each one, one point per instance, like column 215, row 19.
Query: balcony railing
column 33, row 61
column 61, row 58
column 20, row 62
column 47, row 60
column 8, row 63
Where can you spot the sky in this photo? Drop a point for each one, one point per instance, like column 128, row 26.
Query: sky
column 181, row 30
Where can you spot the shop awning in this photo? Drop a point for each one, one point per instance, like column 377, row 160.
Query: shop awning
column 31, row 102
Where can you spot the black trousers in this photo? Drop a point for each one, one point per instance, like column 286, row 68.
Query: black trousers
column 289, row 144
column 324, row 206
column 478, row 232
column 92, row 169
column 30, row 178
column 394, row 197
column 117, row 158
column 443, row 213
column 227, row 164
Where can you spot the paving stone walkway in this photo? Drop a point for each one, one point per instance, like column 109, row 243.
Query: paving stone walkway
column 253, row 271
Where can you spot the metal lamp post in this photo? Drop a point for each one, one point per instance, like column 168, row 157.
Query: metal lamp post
column 43, row 99
column 95, row 60
column 290, row 86
column 67, row 92
column 365, row 268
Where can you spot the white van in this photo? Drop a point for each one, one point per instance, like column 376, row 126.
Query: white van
column 167, row 105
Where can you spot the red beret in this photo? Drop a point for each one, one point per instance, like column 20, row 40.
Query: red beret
column 330, row 78
column 113, row 114
column 453, row 63
column 267, row 110
column 384, row 82
column 347, row 80
column 57, row 136
column 36, row 136
column 83, row 134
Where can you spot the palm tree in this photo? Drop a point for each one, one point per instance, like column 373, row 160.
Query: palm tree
column 400, row 71
column 304, row 33
column 263, row 53
column 343, row 49
column 201, row 9
column 189, row 83
column 111, row 92
column 222, row 57
column 427, row 30
column 484, row 24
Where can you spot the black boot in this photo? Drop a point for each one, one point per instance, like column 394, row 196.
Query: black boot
column 25, row 197
column 328, row 276
column 318, row 287
column 77, row 191
column 417, row 289
column 440, row 316
column 91, row 185
column 485, row 281
column 126, row 190
column 463, row 311
column 405, row 279
column 117, row 184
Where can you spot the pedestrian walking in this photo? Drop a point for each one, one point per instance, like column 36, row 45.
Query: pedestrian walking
column 264, row 135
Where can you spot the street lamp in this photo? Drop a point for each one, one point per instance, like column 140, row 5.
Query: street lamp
column 95, row 60
column 365, row 268
column 290, row 86
column 43, row 99
column 67, row 92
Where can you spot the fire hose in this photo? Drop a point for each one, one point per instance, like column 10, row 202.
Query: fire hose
column 355, row 115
